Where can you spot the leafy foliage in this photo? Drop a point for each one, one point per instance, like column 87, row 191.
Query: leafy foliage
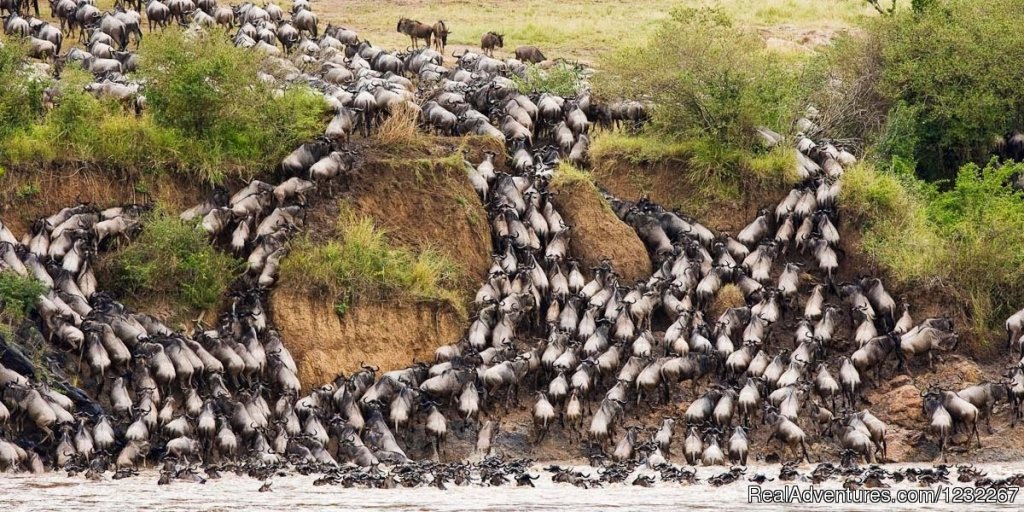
column 706, row 78
column 20, row 95
column 969, row 238
column 173, row 259
column 208, row 115
column 18, row 295
column 951, row 63
column 563, row 79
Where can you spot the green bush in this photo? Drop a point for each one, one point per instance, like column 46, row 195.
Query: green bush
column 982, row 218
column 173, row 259
column 563, row 79
column 20, row 95
column 968, row 239
column 362, row 264
column 706, row 78
column 205, row 89
column 208, row 115
column 944, row 73
column 18, row 295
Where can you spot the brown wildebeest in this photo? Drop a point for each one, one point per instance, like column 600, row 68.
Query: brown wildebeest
column 530, row 54
column 415, row 30
column 490, row 41
column 440, row 36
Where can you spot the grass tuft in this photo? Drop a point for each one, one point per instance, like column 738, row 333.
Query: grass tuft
column 399, row 131
column 363, row 265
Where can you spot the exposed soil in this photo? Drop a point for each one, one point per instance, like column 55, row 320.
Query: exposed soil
column 427, row 204
column 423, row 200
column 667, row 183
column 597, row 234
column 390, row 335
column 28, row 194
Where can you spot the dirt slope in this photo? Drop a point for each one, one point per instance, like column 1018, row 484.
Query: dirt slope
column 422, row 199
column 597, row 234
column 391, row 336
column 27, row 194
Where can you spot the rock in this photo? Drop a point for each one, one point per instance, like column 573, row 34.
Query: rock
column 901, row 406
column 902, row 444
column 899, row 381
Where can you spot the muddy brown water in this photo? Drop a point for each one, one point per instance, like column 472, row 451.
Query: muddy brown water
column 57, row 492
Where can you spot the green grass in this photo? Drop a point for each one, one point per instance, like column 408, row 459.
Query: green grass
column 361, row 264
column 172, row 260
column 714, row 171
column 27, row 190
column 580, row 29
column 567, row 175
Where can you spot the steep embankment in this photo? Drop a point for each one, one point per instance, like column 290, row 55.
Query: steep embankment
column 27, row 194
column 597, row 234
column 420, row 196
column 893, row 396
column 421, row 200
column 723, row 206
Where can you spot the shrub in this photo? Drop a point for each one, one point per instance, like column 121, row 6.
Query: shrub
column 363, row 265
column 969, row 239
column 842, row 81
column 944, row 69
column 205, row 89
column 706, row 78
column 18, row 295
column 891, row 211
column 563, row 79
column 983, row 220
column 20, row 96
column 208, row 114
column 173, row 259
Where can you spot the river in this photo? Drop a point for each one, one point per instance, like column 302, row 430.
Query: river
column 57, row 492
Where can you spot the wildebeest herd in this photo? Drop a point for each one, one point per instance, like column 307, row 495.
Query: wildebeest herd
column 587, row 350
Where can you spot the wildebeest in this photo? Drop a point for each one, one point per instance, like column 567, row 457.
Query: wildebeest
column 441, row 32
column 490, row 41
column 415, row 30
column 530, row 54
